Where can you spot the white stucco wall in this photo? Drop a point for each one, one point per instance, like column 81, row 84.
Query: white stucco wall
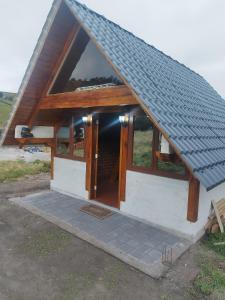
column 69, row 177
column 163, row 201
column 38, row 131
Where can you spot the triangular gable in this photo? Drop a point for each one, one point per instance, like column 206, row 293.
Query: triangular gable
column 178, row 100
column 84, row 66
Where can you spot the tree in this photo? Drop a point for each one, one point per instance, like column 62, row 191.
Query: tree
column 1, row 94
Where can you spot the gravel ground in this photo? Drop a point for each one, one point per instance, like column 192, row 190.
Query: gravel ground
column 40, row 261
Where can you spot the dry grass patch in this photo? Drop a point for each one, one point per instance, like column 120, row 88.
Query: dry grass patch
column 13, row 170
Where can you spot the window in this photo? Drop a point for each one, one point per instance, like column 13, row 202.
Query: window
column 84, row 66
column 78, row 139
column 70, row 139
column 149, row 152
column 173, row 165
column 63, row 139
column 142, row 142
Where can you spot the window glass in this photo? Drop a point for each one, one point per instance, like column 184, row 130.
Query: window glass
column 63, row 140
column 172, row 163
column 142, row 142
column 85, row 66
column 78, row 139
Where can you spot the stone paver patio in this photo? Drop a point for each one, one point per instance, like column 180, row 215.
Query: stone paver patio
column 128, row 239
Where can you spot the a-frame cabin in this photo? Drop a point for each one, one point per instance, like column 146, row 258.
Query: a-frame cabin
column 127, row 125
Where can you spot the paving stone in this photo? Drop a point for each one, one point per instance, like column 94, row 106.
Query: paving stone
column 136, row 243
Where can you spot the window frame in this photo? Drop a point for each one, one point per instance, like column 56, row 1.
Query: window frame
column 70, row 155
column 153, row 169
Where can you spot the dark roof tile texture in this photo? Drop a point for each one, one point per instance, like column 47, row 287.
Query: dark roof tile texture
column 182, row 102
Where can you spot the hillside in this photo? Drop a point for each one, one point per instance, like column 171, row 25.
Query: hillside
column 6, row 104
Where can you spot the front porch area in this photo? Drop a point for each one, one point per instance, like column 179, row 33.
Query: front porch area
column 136, row 243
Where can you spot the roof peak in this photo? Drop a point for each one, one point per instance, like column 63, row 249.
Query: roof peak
column 137, row 37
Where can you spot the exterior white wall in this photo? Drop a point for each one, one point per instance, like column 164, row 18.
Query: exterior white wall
column 69, row 177
column 163, row 201
column 38, row 131
column 43, row 131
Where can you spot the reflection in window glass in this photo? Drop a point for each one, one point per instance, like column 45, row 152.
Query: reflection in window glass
column 173, row 166
column 142, row 143
column 78, row 139
column 85, row 66
column 63, row 140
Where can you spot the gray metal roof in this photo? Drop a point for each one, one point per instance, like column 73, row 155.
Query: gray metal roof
column 182, row 102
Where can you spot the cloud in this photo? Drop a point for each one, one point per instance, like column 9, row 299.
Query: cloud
column 189, row 31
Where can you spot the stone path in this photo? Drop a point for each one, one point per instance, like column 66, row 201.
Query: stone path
column 132, row 241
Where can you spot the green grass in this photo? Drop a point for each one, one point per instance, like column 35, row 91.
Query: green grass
column 45, row 243
column 13, row 170
column 5, row 110
column 142, row 154
column 210, row 279
column 216, row 238
column 142, row 148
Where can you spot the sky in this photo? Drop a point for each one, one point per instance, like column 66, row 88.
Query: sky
column 192, row 32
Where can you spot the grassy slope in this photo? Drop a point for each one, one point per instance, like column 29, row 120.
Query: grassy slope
column 13, row 170
column 6, row 104
column 5, row 110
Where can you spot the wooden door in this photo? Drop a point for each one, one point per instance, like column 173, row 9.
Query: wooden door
column 123, row 164
column 92, row 157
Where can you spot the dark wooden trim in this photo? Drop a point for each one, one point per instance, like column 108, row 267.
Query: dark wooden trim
column 52, row 161
column 55, row 69
column 112, row 96
column 193, row 199
column 155, row 145
column 35, row 141
column 123, row 164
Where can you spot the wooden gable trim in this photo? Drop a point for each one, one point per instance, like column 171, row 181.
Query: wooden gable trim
column 72, row 35
column 112, row 96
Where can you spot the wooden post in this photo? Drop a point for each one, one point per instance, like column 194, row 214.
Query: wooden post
column 193, row 200
column 52, row 161
column 123, row 164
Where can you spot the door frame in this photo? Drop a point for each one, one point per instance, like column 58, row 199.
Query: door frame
column 92, row 147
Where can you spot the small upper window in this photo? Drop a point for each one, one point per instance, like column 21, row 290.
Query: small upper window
column 84, row 66
column 142, row 141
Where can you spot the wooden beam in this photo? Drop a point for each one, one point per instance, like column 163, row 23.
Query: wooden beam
column 193, row 200
column 112, row 96
column 36, row 141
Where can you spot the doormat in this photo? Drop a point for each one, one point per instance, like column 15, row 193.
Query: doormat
column 96, row 211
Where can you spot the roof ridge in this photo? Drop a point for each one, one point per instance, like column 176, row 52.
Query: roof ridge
column 142, row 40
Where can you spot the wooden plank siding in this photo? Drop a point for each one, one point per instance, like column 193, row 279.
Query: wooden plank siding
column 60, row 30
column 112, row 96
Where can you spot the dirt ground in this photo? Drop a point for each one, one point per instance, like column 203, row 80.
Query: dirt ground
column 40, row 261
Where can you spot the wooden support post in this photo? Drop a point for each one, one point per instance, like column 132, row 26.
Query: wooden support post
column 193, row 200
column 52, row 161
column 123, row 164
